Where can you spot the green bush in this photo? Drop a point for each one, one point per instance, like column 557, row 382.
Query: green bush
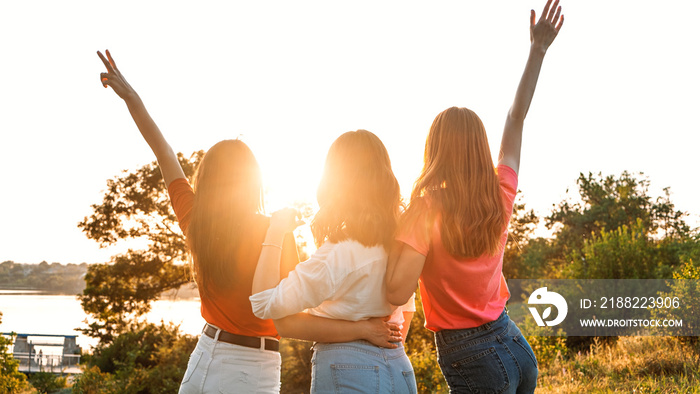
column 47, row 382
column 148, row 359
column 94, row 381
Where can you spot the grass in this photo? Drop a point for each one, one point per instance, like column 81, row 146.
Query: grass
column 628, row 365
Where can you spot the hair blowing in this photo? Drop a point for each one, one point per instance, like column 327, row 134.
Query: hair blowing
column 358, row 196
column 459, row 183
column 227, row 195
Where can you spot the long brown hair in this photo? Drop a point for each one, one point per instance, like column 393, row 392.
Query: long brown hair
column 460, row 183
column 358, row 196
column 227, row 195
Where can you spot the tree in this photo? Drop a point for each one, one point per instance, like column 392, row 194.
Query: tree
column 11, row 380
column 117, row 294
column 135, row 206
column 611, row 212
column 624, row 253
column 609, row 203
column 522, row 225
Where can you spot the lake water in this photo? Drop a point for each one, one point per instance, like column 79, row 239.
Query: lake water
column 36, row 313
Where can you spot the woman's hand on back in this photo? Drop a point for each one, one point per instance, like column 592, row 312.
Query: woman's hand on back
column 114, row 78
column 544, row 32
column 379, row 332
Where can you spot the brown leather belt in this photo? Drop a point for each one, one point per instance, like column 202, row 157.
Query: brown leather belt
column 242, row 340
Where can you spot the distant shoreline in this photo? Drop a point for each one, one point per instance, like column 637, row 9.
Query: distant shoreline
column 187, row 292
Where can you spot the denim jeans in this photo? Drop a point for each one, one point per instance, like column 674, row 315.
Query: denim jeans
column 360, row 367
column 219, row 367
column 491, row 358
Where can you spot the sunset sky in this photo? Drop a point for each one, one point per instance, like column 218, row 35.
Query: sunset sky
column 619, row 90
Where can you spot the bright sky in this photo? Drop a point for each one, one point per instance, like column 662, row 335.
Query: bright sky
column 618, row 91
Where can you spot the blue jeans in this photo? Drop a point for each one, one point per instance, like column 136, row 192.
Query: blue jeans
column 491, row 358
column 360, row 367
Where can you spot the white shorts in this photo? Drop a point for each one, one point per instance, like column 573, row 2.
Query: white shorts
column 220, row 367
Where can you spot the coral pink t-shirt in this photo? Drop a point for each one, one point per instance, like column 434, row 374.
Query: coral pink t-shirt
column 461, row 293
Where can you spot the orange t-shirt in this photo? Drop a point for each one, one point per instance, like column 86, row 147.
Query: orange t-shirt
column 230, row 309
column 461, row 293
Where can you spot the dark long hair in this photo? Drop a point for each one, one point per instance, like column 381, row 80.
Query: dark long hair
column 358, row 195
column 227, row 195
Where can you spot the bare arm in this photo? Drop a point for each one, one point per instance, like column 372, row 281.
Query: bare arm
column 542, row 35
column 402, row 272
column 267, row 272
column 169, row 165
column 314, row 328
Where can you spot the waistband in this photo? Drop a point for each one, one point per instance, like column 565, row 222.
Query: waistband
column 220, row 335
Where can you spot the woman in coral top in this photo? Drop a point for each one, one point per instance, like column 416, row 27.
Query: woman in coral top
column 237, row 352
column 453, row 235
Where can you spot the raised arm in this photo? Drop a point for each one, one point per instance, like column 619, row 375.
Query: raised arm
column 542, row 34
column 169, row 165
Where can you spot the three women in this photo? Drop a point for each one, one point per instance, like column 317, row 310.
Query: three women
column 453, row 233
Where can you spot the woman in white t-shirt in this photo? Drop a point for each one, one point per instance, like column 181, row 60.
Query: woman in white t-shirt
column 359, row 203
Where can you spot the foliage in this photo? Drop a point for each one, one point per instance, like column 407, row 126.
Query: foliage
column 47, row 382
column 54, row 278
column 148, row 358
column 296, row 365
column 135, row 206
column 548, row 345
column 686, row 289
column 11, row 380
column 94, row 381
column 631, row 364
column 624, row 253
column 609, row 203
column 520, row 229
column 615, row 229
column 120, row 292
column 420, row 347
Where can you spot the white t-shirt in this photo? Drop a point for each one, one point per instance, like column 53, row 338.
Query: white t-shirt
column 342, row 280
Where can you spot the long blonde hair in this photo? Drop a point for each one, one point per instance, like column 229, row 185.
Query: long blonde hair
column 227, row 195
column 359, row 195
column 459, row 182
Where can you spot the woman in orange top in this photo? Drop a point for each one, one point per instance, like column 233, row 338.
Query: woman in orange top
column 225, row 231
column 453, row 235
